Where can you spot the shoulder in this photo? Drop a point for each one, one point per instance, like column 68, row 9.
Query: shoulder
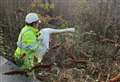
column 25, row 29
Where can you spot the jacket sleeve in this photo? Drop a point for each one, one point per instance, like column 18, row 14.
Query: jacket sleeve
column 29, row 39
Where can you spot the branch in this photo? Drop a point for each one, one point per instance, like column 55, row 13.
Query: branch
column 116, row 44
column 74, row 60
column 41, row 66
column 16, row 72
column 115, row 79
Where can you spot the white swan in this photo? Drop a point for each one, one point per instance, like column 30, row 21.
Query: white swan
column 45, row 39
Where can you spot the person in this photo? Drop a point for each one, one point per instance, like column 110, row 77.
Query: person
column 32, row 44
column 27, row 42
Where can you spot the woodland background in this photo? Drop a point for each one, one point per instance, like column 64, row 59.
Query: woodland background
column 91, row 54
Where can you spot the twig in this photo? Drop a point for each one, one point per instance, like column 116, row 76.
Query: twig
column 24, row 72
column 41, row 66
column 110, row 41
column 99, row 76
column 79, row 61
column 115, row 79
column 16, row 72
column 84, row 53
column 75, row 61
column 108, row 76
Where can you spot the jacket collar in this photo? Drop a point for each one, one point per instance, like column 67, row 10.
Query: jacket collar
column 34, row 29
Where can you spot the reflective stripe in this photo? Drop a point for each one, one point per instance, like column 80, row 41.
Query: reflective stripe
column 23, row 46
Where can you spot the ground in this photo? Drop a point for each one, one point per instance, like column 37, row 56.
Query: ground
column 6, row 66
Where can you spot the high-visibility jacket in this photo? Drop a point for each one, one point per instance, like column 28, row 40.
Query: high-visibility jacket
column 26, row 47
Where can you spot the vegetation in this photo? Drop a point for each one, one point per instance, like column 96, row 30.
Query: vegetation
column 91, row 54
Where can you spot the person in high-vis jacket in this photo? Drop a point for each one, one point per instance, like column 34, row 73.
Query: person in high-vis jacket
column 33, row 44
column 27, row 42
